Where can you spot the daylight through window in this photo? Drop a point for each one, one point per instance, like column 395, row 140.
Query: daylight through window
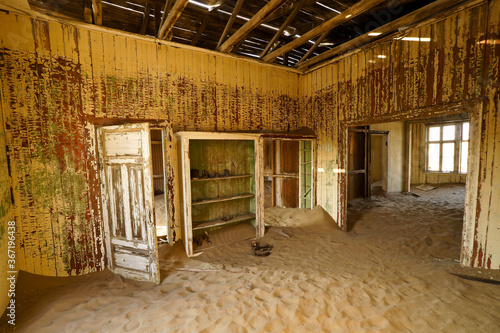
column 447, row 147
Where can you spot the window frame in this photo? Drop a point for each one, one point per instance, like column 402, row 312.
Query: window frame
column 457, row 141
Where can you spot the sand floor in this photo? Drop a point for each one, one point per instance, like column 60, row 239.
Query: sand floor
column 392, row 272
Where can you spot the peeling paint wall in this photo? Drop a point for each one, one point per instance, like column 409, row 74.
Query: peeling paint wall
column 6, row 215
column 57, row 80
column 455, row 72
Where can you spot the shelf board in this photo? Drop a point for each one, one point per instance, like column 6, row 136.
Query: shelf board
column 220, row 178
column 217, row 223
column 236, row 197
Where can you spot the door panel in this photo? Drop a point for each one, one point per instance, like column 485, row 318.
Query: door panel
column 128, row 205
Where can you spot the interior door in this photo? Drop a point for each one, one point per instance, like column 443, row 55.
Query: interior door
column 127, row 201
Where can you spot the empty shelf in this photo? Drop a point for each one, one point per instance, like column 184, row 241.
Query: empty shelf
column 236, row 197
column 216, row 223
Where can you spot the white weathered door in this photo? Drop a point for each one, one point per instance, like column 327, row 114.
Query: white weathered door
column 127, row 201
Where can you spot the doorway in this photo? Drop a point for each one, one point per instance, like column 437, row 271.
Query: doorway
column 132, row 171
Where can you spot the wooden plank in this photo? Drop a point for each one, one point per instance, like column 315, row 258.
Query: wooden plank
column 348, row 14
column 172, row 17
column 145, row 18
column 219, row 178
column 218, row 223
column 405, row 21
column 251, row 24
column 285, row 24
column 199, row 32
column 97, row 11
column 230, row 23
column 236, row 197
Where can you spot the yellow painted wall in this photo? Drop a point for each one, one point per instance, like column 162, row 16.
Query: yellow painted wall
column 58, row 79
column 6, row 216
column 453, row 73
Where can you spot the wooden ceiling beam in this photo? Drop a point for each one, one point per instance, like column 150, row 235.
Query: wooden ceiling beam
column 97, row 11
column 251, row 24
column 230, row 22
column 166, row 10
column 145, row 19
column 172, row 17
column 199, row 32
column 284, row 10
column 351, row 12
column 288, row 20
column 314, row 47
column 402, row 22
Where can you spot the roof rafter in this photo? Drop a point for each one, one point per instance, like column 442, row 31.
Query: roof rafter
column 255, row 21
column 288, row 20
column 199, row 32
column 314, row 47
column 335, row 21
column 145, row 18
column 230, row 22
column 172, row 17
column 405, row 21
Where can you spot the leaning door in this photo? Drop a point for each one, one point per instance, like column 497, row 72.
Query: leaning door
column 127, row 201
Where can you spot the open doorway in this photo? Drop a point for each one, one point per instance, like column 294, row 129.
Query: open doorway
column 417, row 171
column 132, row 171
column 288, row 173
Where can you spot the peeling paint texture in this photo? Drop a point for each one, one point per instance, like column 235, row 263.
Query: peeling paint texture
column 455, row 72
column 57, row 80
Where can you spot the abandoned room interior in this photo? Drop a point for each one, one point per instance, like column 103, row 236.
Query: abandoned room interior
column 250, row 166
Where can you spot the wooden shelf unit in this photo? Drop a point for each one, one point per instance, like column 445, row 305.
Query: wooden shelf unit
column 213, row 203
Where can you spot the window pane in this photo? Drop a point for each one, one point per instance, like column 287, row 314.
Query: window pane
column 465, row 131
column 463, row 157
column 434, row 133
column 448, row 157
column 433, row 157
column 449, row 132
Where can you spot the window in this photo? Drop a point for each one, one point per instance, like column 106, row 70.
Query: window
column 447, row 147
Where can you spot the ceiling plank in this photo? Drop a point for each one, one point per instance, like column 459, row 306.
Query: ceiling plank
column 402, row 22
column 314, row 47
column 255, row 21
column 166, row 10
column 172, row 17
column 283, row 27
column 145, row 19
column 199, row 32
column 230, row 22
column 335, row 21
column 97, row 11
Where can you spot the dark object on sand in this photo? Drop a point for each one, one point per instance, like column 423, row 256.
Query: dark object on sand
column 261, row 250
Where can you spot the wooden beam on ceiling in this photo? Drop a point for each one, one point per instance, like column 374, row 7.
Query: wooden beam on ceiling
column 97, row 11
column 314, row 47
column 285, row 9
column 230, row 22
column 251, row 24
column 157, row 16
column 145, row 19
column 402, row 22
column 351, row 12
column 166, row 10
column 199, row 32
column 172, row 17
column 87, row 11
column 288, row 20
